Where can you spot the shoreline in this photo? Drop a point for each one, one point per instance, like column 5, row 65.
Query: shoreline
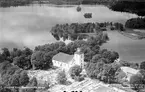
column 132, row 35
column 129, row 36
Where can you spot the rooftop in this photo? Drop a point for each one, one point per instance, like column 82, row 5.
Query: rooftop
column 62, row 57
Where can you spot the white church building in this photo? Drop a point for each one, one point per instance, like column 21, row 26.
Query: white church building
column 66, row 61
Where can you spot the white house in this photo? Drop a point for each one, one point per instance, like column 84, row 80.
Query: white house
column 65, row 61
column 129, row 72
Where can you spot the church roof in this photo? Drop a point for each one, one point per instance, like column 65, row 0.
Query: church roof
column 62, row 57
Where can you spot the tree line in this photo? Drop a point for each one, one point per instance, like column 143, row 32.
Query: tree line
column 135, row 23
column 9, row 3
column 131, row 6
column 81, row 31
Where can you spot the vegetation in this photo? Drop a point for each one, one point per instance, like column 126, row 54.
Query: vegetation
column 12, row 75
column 136, row 82
column 4, row 89
column 61, row 78
column 142, row 65
column 21, row 58
column 8, row 3
column 31, row 86
column 71, row 31
column 135, row 23
column 75, row 73
column 131, row 6
column 101, row 66
column 41, row 60
column 79, row 31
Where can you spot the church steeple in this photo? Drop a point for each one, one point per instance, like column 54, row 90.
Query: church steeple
column 79, row 57
column 78, row 51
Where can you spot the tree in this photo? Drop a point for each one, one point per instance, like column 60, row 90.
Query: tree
column 142, row 65
column 22, row 62
column 15, row 53
column 5, row 52
column 142, row 72
column 32, row 83
column 24, row 78
column 4, row 89
column 1, row 58
column 27, row 51
column 38, row 61
column 109, row 73
column 96, row 58
column 136, row 81
column 61, row 77
column 94, row 69
column 75, row 71
column 4, row 66
column 14, row 80
column 111, row 56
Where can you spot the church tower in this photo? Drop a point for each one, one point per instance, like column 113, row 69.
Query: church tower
column 79, row 58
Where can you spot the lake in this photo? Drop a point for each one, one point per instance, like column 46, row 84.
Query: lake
column 30, row 25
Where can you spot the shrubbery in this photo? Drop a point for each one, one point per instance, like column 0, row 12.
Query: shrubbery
column 136, row 82
column 61, row 77
column 75, row 73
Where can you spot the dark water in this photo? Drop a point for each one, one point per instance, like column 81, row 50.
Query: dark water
column 30, row 26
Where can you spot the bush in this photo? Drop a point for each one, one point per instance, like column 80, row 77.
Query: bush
column 32, row 83
column 136, row 82
column 75, row 71
column 61, row 77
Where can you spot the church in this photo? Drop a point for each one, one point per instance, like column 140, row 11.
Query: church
column 66, row 61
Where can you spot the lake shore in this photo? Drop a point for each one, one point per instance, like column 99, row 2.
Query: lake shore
column 133, row 34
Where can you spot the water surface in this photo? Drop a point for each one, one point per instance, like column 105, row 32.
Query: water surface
column 30, row 26
column 128, row 49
